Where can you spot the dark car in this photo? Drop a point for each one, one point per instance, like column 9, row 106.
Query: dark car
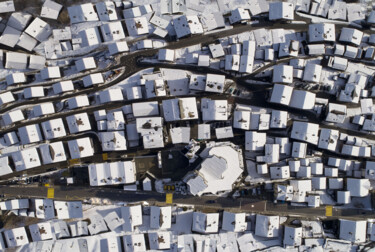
column 211, row 201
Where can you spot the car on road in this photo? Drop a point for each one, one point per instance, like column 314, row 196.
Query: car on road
column 211, row 201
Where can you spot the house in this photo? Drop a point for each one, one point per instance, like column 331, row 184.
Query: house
column 215, row 83
column 302, row 99
column 159, row 240
column 351, row 93
column 312, row 73
column 78, row 228
column 30, row 134
column 322, row 32
column 216, row 50
column 118, row 47
column 5, row 166
column 111, row 95
column 336, row 113
column 132, row 216
column 281, row 94
column 39, row 30
column 241, row 119
column 78, row 102
column 267, row 226
column 13, row 117
column 15, row 60
column 239, row 15
column 292, row 236
column 80, row 148
column 328, row 139
column 10, row 36
column 246, row 64
column 50, row 73
column 6, row 97
column 155, row 88
column 44, row 209
column 142, row 109
column 205, row 223
column 53, row 152
column 224, row 132
column 68, row 209
column 134, row 242
column 214, row 110
column 63, row 86
column 307, row 132
column 27, row 42
column 180, row 135
column 319, row 183
column 82, row 13
column 84, row 64
column 187, row 25
column 113, row 220
column 61, row 229
column 358, row 187
column 10, row 138
column 88, row 37
column 78, row 123
column 203, row 60
column 284, row 192
column 43, row 109
column 217, row 173
column 53, row 129
column 113, row 141
column 351, row 36
column 281, row 11
column 160, row 217
column 337, row 11
column 17, row 236
column 97, row 225
column 166, row 55
column 112, row 31
column 14, row 204
column 255, row 141
column 106, row 11
column 137, row 26
column 234, row 222
column 271, row 154
column 115, row 120
column 33, row 92
column 15, row 78
column 282, row 74
column 19, row 20
column 338, row 63
column 92, row 79
column 204, row 131
column 277, row 172
column 278, row 119
column 367, row 106
column 180, row 109
column 50, row 9
column 232, row 62
column 145, row 44
column 343, row 197
column 299, row 150
column 26, row 159
column 151, row 131
column 300, row 188
column 353, row 230
column 41, row 231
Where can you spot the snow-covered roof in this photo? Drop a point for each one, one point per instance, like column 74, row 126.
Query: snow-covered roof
column 4, row 166
column 166, row 55
column 113, row 141
column 50, row 9
column 44, row 209
column 15, row 78
column 37, row 62
column 180, row 109
column 137, row 26
column 351, row 35
column 322, row 32
column 282, row 74
column 10, row 36
column 87, row 63
column 97, row 225
column 33, row 92
column 241, row 119
column 132, row 216
column 53, row 128
column 224, row 132
column 281, row 10
column 112, row 31
column 14, row 204
column 267, row 226
column 180, row 135
column 63, row 86
column 353, row 230
column 30, row 134
column 238, row 15
column 215, row 83
column 281, row 94
column 134, row 242
column 160, row 217
column 106, row 11
column 80, row 148
column 358, row 187
column 159, row 240
column 312, row 72
column 142, row 109
column 41, row 231
column 118, row 47
column 292, row 236
column 254, row 140
column 27, row 42
column 234, row 222
column 62, row 34
column 111, row 95
column 43, row 109
column 307, row 132
column 78, row 123
column 115, row 120
column 6, row 97
column 214, row 109
column 300, row 187
column 113, row 220
column 90, row 37
column 68, row 209
column 78, row 102
column 61, row 229
column 26, row 159
column 328, row 139
column 92, row 79
column 50, row 73
column 302, row 99
column 204, row 131
column 39, row 30
column 78, row 228
column 186, row 25
column 17, row 236
column 52, row 152
column 19, row 20
column 15, row 60
column 13, row 116
column 205, row 223
column 82, row 13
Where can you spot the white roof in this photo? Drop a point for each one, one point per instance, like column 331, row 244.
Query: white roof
column 214, row 110
column 351, row 35
column 63, row 86
column 85, row 64
column 160, row 217
column 306, row 132
column 215, row 83
column 68, row 209
column 118, row 47
column 216, row 50
column 33, row 92
column 4, row 166
column 159, row 240
column 299, row 150
column 224, row 132
column 53, row 152
column 113, row 220
column 204, row 131
column 292, row 236
column 10, row 36
column 106, row 11
column 13, row 116
column 15, row 60
column 50, row 9
column 180, row 135
column 302, row 99
column 92, row 79
column 278, row 119
column 281, row 10
column 19, row 20
column 116, row 173
column 115, row 120
column 186, row 25
column 281, row 94
column 300, row 188
column 141, row 109
column 112, row 31
column 312, row 72
column 180, row 109
column 43, row 109
column 323, row 32
column 78, row 228
column 113, row 141
column 234, row 222
column 328, row 139
column 61, row 229
column 352, row 230
column 14, row 204
column 277, row 172
column 53, row 129
column 358, row 187
column 82, row 13
column 27, row 42
column 44, row 209
column 41, row 231
column 232, row 62
column 246, row 64
column 78, row 102
column 132, row 216
column 15, row 78
column 26, row 159
column 97, row 225
column 241, row 119
column 254, row 140
column 80, row 148
column 30, row 134
column 16, row 236
column 238, row 15
column 90, row 37
column 267, row 226
column 39, row 30
column 205, row 223
column 62, row 34
column 50, row 73
column 111, row 95
column 134, row 242
column 6, row 97
column 37, row 62
column 137, row 26
column 133, row 93
column 78, row 123
column 282, row 74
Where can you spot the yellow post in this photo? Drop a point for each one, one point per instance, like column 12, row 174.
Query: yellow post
column 46, row 185
column 169, row 198
column 74, row 161
column 51, row 193
column 328, row 211
column 105, row 156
